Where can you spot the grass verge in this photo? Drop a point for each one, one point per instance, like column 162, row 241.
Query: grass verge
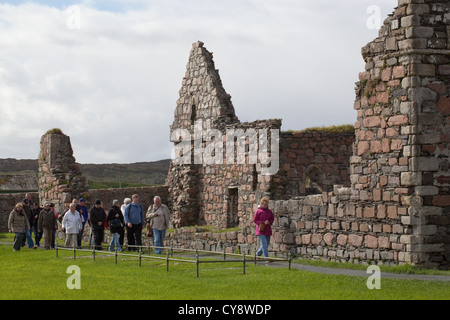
column 38, row 274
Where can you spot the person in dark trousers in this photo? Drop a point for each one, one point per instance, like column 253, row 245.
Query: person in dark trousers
column 27, row 210
column 116, row 223
column 17, row 223
column 47, row 224
column 84, row 218
column 135, row 220
column 58, row 217
column 126, row 202
column 97, row 217
column 34, row 223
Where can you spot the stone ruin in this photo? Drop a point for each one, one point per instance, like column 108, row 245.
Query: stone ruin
column 59, row 175
column 60, row 180
column 224, row 193
column 382, row 191
column 395, row 206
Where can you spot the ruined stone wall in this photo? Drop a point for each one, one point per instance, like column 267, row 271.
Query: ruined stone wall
column 326, row 226
column 332, row 226
column 202, row 98
column 201, row 192
column 7, row 204
column 19, row 182
column 401, row 149
column 223, row 194
column 61, row 180
column 59, row 176
column 229, row 193
column 397, row 208
column 312, row 162
column 222, row 190
column 146, row 195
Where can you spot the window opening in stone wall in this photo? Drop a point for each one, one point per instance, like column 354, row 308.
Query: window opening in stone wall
column 193, row 110
column 254, row 178
column 232, row 214
column 312, row 180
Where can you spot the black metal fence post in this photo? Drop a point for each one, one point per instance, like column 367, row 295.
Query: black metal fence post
column 196, row 261
column 167, row 261
column 140, row 256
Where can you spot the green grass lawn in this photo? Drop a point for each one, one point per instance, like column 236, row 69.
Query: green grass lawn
column 38, row 274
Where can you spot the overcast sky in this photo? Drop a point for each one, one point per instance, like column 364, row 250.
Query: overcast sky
column 108, row 72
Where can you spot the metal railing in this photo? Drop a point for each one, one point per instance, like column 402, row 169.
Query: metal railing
column 236, row 258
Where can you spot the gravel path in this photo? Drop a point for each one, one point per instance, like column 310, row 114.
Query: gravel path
column 361, row 273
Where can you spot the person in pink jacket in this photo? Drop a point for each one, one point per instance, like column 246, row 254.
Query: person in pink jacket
column 264, row 219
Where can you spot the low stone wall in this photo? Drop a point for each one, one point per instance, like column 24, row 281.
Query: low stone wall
column 323, row 227
column 320, row 227
column 18, row 182
column 146, row 195
column 220, row 241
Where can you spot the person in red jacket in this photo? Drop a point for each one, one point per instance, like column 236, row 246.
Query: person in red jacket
column 264, row 219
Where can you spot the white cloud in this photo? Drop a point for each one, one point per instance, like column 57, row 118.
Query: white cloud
column 112, row 84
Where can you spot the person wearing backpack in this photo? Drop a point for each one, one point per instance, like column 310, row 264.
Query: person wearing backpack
column 116, row 223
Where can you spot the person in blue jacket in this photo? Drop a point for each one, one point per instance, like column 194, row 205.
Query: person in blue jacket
column 135, row 221
column 81, row 208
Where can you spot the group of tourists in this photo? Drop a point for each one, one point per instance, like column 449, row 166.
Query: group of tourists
column 128, row 217
column 28, row 218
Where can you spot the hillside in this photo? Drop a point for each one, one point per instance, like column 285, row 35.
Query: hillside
column 14, row 166
column 141, row 173
column 146, row 173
